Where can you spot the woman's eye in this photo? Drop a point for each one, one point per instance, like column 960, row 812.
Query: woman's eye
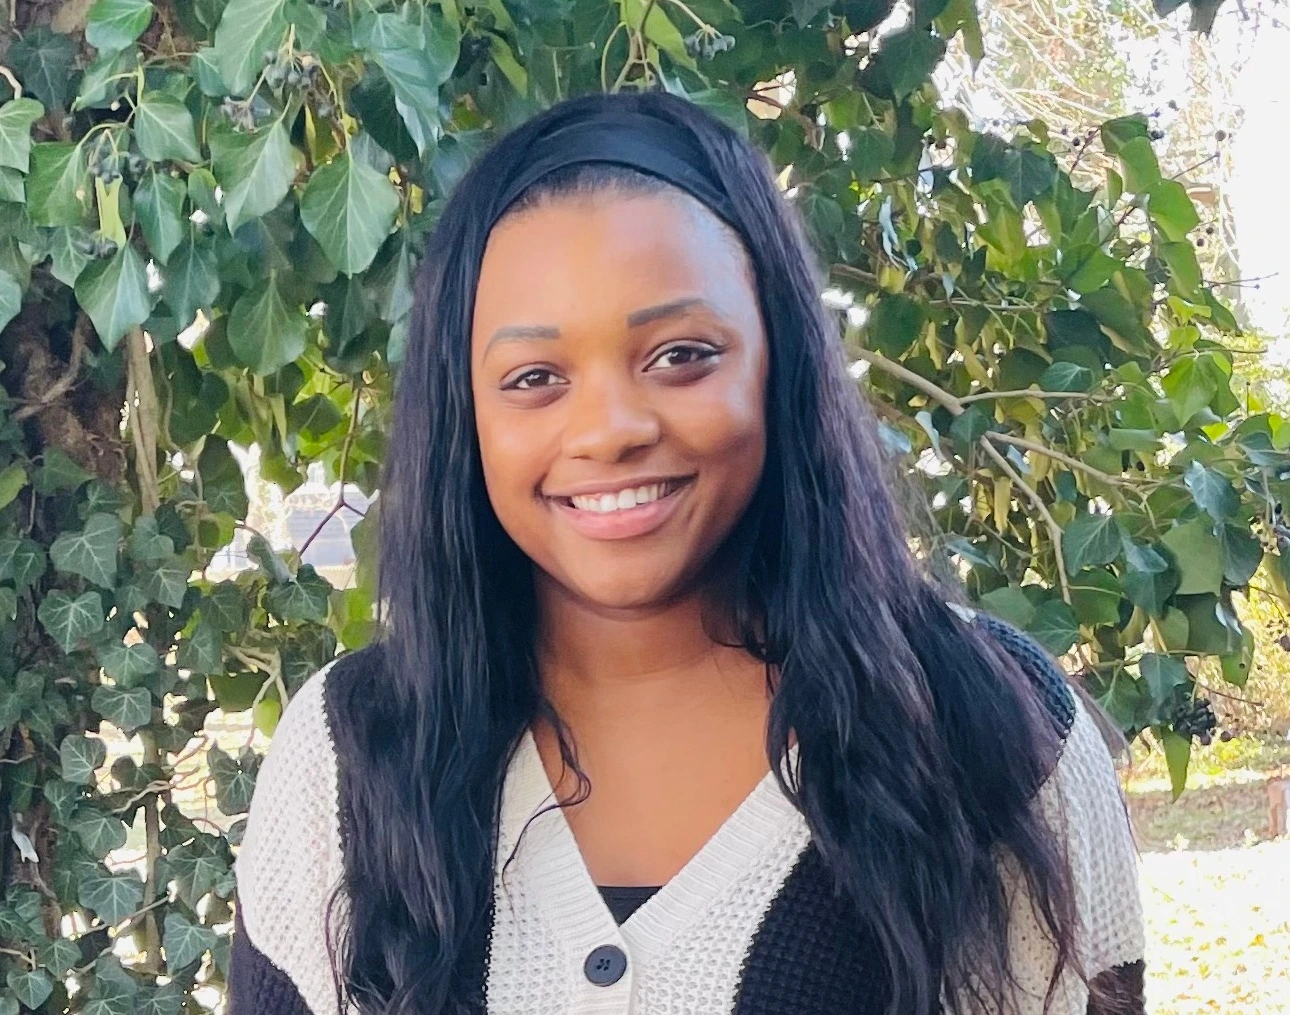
column 681, row 356
column 530, row 379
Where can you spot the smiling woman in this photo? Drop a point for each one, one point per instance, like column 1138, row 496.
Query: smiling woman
column 664, row 717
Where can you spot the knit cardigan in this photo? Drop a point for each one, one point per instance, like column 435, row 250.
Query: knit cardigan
column 750, row 926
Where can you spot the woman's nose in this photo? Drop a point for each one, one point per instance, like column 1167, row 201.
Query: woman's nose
column 608, row 420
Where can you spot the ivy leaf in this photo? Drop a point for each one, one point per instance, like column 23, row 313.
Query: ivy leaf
column 1119, row 132
column 185, row 942
column 1177, row 759
column 349, row 208
column 908, row 58
column 414, row 66
column 225, row 607
column 255, row 170
column 147, row 544
column 60, row 955
column 1054, row 626
column 114, row 292
column 202, row 651
column 1171, row 209
column 1063, row 376
column 127, row 708
column 112, row 896
column 1149, row 580
column 246, row 29
column 1027, row 174
column 304, row 598
column 79, row 756
column 234, row 779
column 1141, row 170
column 98, row 831
column 1242, row 554
column 69, row 620
column 1189, row 388
column 16, row 118
column 159, row 206
column 43, row 61
column 115, row 24
column 1212, row 491
column 223, row 482
column 128, row 665
column 66, row 247
column 1011, row 604
column 167, row 583
column 10, row 300
column 264, row 332
column 31, row 988
column 1163, row 675
column 163, row 127
column 103, row 82
column 197, row 869
column 92, row 552
column 191, row 280
column 1095, row 597
column 1091, row 539
column 1198, row 554
column 895, row 323
column 58, row 186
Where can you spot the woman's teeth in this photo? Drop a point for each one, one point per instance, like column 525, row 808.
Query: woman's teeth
column 623, row 500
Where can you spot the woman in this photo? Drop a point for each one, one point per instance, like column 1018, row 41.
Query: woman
column 664, row 717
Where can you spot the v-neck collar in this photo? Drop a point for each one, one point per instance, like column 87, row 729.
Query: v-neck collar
column 555, row 875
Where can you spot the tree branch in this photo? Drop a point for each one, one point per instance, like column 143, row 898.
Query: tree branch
column 1054, row 530
column 61, row 386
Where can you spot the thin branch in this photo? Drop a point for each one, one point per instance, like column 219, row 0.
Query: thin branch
column 341, row 469
column 1054, row 530
column 60, row 386
column 932, row 391
column 1058, row 456
column 981, row 396
column 7, row 74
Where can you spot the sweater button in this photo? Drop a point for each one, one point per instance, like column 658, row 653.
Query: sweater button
column 605, row 965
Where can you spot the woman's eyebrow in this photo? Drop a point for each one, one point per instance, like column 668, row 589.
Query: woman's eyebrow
column 520, row 332
column 672, row 308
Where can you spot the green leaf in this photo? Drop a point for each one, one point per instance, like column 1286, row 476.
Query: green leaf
column 115, row 24
column 1188, row 387
column 1172, row 210
column 1066, row 377
column 16, row 119
column 349, row 208
column 167, row 583
column 1183, row 266
column 1091, row 539
column 1119, row 132
column 1054, row 627
column 1141, row 170
column 246, row 29
column 255, row 170
column 163, row 128
column 104, row 80
column 60, row 955
column 185, row 942
column 32, row 988
column 127, row 708
column 908, row 58
column 264, row 332
column 304, row 598
column 203, row 650
column 91, row 552
column 234, row 779
column 159, row 205
column 197, row 869
column 414, row 65
column 1242, row 554
column 69, row 620
column 1009, row 603
column 147, row 544
column 225, row 607
column 869, row 152
column 112, row 896
column 58, row 186
column 1198, row 554
column 114, row 292
column 22, row 561
column 895, row 323
column 1121, row 320
column 43, row 60
column 1212, row 491
column 69, row 260
column 191, row 280
column 1094, row 272
column 58, row 473
column 971, row 425
column 1027, row 174
column 100, row 833
column 8, row 603
column 10, row 304
column 79, row 757
column 514, row 71
column 1163, row 675
column 1177, row 758
column 128, row 665
column 1095, row 597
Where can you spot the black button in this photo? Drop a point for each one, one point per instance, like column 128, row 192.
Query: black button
column 605, row 965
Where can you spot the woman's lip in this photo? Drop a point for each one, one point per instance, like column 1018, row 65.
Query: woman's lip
column 624, row 524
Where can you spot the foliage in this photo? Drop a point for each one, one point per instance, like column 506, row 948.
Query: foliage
column 211, row 214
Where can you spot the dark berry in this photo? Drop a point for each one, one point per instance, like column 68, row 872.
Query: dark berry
column 1226, row 735
column 1220, row 135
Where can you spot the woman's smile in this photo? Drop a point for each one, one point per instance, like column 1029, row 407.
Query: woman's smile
column 624, row 510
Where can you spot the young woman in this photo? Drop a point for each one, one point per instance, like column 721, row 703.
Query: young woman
column 664, row 717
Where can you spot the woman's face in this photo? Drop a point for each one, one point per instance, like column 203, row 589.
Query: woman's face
column 619, row 372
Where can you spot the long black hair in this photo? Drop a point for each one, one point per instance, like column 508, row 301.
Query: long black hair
column 921, row 742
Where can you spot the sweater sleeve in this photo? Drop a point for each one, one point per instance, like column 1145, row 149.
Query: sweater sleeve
column 287, row 865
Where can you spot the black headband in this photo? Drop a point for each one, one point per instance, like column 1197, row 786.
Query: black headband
column 624, row 138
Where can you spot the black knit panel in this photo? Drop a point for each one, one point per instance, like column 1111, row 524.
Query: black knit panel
column 1119, row 991
column 255, row 985
column 1037, row 663
column 810, row 954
